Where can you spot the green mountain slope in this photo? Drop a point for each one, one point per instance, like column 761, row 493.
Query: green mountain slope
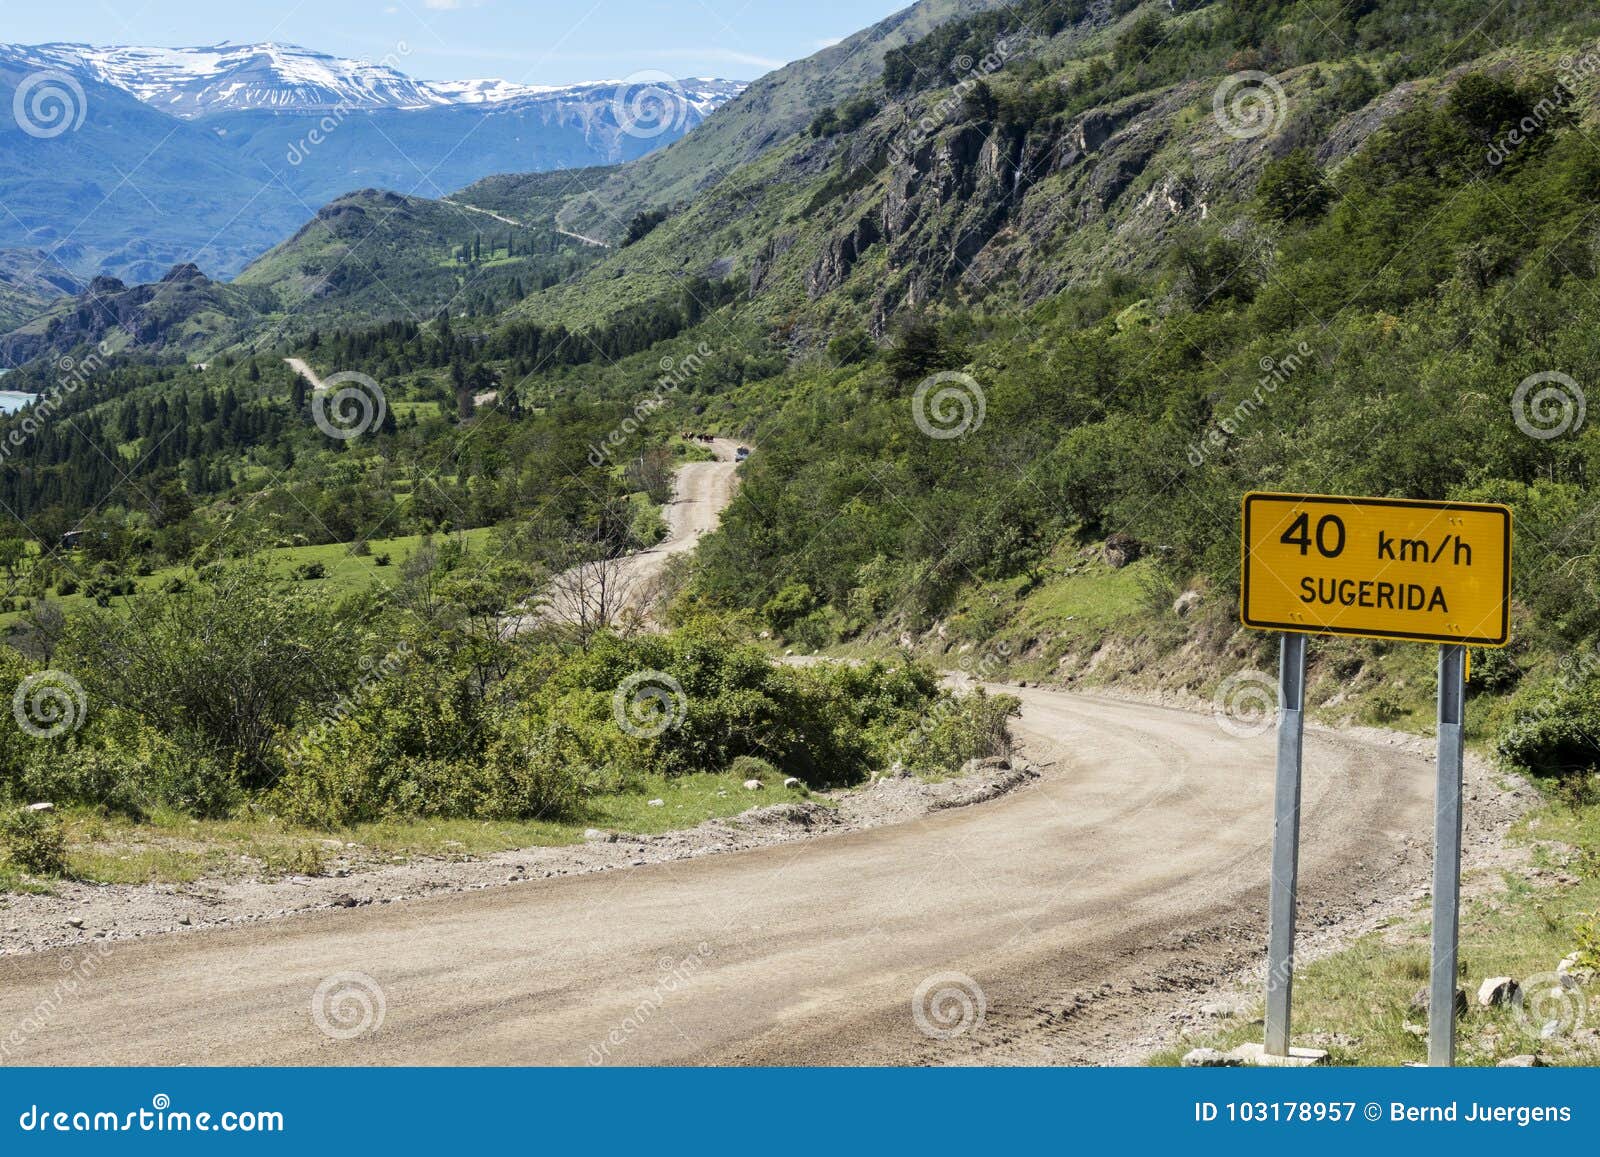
column 29, row 282
column 380, row 255
column 184, row 312
column 366, row 257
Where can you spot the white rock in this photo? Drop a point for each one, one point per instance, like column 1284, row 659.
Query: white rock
column 791, row 782
column 40, row 807
column 753, row 785
column 1525, row 1061
column 1496, row 990
column 657, row 803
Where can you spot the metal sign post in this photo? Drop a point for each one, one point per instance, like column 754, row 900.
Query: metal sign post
column 1446, row 860
column 1285, row 841
column 1380, row 568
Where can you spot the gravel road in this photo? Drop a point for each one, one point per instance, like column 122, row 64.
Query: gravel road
column 701, row 491
column 1133, row 868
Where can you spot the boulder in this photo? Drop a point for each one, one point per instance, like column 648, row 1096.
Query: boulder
column 753, row 785
column 1185, row 603
column 791, row 782
column 1122, row 549
column 1572, row 973
column 1497, row 990
column 1525, row 1061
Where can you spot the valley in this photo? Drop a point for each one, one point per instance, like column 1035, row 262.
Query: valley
column 886, row 419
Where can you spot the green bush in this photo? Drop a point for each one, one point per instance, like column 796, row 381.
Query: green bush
column 1589, row 942
column 78, row 771
column 747, row 767
column 340, row 779
column 1554, row 734
column 224, row 666
column 33, row 841
column 959, row 728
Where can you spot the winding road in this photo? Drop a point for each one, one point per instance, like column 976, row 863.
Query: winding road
column 701, row 492
column 1134, row 867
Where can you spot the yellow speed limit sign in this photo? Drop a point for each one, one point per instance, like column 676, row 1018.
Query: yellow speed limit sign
column 1386, row 568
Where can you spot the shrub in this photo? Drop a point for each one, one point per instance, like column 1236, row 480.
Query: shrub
column 959, row 728
column 752, row 767
column 77, row 771
column 300, row 860
column 1589, row 942
column 33, row 841
column 1385, row 706
column 1555, row 735
column 339, row 779
column 224, row 667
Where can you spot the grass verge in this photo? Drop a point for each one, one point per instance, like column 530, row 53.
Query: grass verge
column 168, row 848
column 1358, row 1002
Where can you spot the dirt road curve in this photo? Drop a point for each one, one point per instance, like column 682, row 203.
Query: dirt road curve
column 701, row 492
column 1138, row 862
column 299, row 366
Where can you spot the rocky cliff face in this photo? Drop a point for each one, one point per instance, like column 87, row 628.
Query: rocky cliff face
column 976, row 205
column 185, row 306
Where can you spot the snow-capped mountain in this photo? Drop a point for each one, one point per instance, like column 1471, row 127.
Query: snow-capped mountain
column 199, row 82
column 191, row 82
column 128, row 161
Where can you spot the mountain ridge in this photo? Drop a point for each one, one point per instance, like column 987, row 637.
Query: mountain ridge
column 200, row 81
column 105, row 182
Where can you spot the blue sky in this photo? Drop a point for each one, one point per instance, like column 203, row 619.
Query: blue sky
column 531, row 41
